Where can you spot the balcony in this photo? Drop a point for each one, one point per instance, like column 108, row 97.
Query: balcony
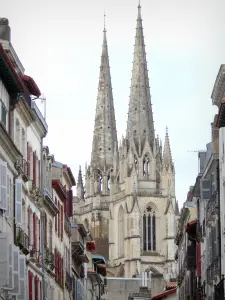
column 22, row 240
column 33, row 189
column 68, row 282
column 22, row 168
column 35, row 257
column 67, row 226
column 49, row 203
column 212, row 209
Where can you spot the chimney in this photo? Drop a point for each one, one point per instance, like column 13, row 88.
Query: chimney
column 5, row 30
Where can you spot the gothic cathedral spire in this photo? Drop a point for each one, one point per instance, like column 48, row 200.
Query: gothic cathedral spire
column 104, row 145
column 140, row 125
column 167, row 156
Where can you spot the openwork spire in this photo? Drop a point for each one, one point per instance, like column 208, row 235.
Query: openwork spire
column 140, row 123
column 167, row 156
column 105, row 135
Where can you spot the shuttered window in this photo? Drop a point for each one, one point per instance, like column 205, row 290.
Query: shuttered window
column 28, row 159
column 34, row 167
column 30, row 285
column 34, row 231
column 56, row 217
column 62, row 219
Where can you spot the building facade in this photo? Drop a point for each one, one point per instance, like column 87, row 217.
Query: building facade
column 128, row 197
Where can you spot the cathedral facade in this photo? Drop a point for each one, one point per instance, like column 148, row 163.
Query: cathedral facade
column 128, row 198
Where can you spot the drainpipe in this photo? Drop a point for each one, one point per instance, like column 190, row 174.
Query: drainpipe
column 42, row 223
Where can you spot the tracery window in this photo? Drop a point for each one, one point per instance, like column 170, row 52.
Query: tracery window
column 121, row 232
column 149, row 230
column 146, row 165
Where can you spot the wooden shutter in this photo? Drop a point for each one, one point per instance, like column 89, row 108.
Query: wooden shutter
column 28, row 223
column 40, row 290
column 62, row 219
column 69, row 207
column 3, row 185
column 34, row 232
column 62, row 271
column 34, row 168
column 59, row 217
column 45, row 230
column 30, row 285
column 36, row 287
column 39, row 174
column 59, row 265
column 56, row 217
column 28, row 159
column 55, row 262
column 198, row 258
column 18, row 202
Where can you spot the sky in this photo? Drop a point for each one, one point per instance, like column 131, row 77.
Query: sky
column 59, row 44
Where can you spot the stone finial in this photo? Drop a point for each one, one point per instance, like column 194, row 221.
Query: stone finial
column 167, row 156
column 5, row 30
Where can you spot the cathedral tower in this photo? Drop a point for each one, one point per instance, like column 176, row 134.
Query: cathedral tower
column 129, row 199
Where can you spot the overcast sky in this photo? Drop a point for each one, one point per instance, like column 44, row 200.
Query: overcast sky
column 59, row 44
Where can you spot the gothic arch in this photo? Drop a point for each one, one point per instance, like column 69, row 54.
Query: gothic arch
column 121, row 231
column 149, row 229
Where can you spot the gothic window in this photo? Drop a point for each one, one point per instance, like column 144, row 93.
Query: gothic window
column 121, row 232
column 99, row 181
column 135, row 162
column 146, row 166
column 149, row 230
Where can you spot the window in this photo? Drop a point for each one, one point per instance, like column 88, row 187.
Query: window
column 50, row 236
column 23, row 141
column 17, row 134
column 3, row 112
column 121, row 232
column 149, row 230
column 146, row 166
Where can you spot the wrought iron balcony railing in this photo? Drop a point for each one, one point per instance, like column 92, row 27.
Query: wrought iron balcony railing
column 68, row 281
column 212, row 208
column 22, row 240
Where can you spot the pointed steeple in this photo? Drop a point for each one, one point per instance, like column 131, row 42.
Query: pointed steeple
column 167, row 156
column 80, row 185
column 140, row 123
column 105, row 135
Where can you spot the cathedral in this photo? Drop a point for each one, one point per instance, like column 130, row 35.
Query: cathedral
column 127, row 199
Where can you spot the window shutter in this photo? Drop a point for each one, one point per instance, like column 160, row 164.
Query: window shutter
column 30, row 285
column 62, row 218
column 8, row 197
column 59, row 213
column 3, row 185
column 40, row 290
column 206, row 189
column 34, row 168
column 34, row 231
column 28, row 159
column 55, row 262
column 18, row 202
column 56, row 217
column 36, row 287
column 28, row 223
column 45, row 230
column 39, row 174
column 62, row 272
column 69, row 211
column 31, row 229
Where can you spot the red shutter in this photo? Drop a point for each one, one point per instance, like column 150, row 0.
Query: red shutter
column 34, row 167
column 30, row 285
column 56, row 217
column 28, row 223
column 39, row 234
column 59, row 219
column 62, row 218
column 55, row 262
column 34, row 231
column 40, row 290
column 69, row 206
column 28, row 159
column 45, row 230
column 198, row 258
column 62, row 271
column 59, row 264
column 36, row 287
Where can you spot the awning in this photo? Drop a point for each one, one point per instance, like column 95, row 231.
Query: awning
column 98, row 259
column 31, row 86
column 164, row 294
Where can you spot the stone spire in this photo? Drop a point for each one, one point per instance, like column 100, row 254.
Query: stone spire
column 80, row 185
column 104, row 143
column 167, row 156
column 140, row 123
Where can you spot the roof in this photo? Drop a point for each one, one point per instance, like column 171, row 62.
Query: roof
column 164, row 294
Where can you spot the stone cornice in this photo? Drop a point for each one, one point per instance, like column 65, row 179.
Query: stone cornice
column 8, row 145
column 219, row 87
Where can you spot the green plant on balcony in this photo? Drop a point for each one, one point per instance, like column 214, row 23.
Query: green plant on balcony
column 51, row 263
column 47, row 256
column 19, row 239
